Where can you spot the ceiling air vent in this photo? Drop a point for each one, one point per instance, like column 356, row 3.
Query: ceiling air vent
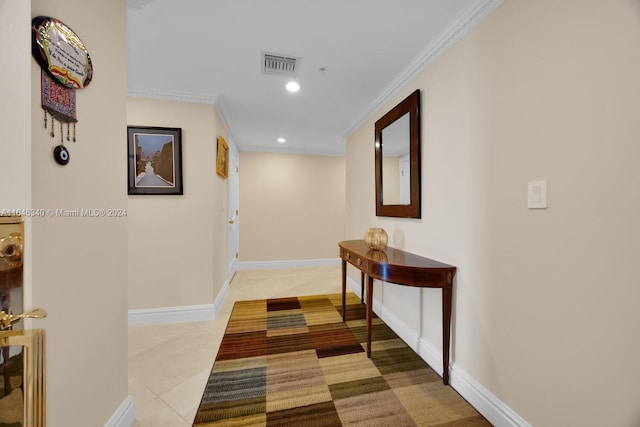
column 279, row 64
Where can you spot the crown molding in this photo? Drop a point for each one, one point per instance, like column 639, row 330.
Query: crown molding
column 216, row 101
column 173, row 96
column 221, row 109
column 473, row 14
column 290, row 150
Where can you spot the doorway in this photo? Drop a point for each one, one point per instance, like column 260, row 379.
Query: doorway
column 233, row 214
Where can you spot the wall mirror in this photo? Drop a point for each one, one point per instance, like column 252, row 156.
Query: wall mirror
column 397, row 166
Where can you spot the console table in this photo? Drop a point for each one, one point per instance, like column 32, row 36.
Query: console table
column 401, row 268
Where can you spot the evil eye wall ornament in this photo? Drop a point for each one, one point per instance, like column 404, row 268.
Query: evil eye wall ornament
column 61, row 155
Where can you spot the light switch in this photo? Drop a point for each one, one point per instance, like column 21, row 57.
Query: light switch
column 537, row 194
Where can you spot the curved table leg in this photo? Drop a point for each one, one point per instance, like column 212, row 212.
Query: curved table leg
column 344, row 288
column 369, row 313
column 446, row 332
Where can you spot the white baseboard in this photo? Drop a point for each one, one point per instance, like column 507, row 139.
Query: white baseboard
column 185, row 313
column 217, row 303
column 124, row 415
column 493, row 409
column 267, row 265
column 201, row 313
column 353, row 286
column 488, row 404
column 181, row 314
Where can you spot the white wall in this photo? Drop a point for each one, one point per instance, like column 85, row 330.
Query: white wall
column 545, row 310
column 79, row 265
column 177, row 244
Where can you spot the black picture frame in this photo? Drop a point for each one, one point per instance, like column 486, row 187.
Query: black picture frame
column 155, row 160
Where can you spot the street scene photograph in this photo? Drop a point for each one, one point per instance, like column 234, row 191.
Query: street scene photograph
column 154, row 160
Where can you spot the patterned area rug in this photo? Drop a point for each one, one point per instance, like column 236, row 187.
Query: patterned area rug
column 294, row 362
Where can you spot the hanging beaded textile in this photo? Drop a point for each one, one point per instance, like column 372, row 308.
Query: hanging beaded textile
column 66, row 66
column 59, row 102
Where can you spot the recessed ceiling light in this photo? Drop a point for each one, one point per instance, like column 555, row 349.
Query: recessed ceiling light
column 282, row 140
column 292, row 86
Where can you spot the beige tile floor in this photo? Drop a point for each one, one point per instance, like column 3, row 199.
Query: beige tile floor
column 169, row 364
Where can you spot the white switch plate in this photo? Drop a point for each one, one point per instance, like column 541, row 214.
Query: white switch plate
column 537, row 194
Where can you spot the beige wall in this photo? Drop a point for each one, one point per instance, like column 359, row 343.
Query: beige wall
column 291, row 206
column 79, row 265
column 177, row 244
column 545, row 311
column 15, row 119
column 15, row 110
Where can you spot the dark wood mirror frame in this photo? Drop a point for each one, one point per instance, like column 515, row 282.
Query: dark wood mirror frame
column 411, row 105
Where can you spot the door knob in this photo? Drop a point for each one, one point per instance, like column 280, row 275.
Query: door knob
column 230, row 221
column 6, row 319
column 11, row 247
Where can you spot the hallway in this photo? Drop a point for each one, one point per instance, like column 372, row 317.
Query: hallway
column 169, row 364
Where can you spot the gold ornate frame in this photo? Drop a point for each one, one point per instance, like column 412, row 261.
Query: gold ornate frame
column 222, row 165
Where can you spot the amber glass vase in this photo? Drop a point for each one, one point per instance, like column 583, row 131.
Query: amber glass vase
column 376, row 238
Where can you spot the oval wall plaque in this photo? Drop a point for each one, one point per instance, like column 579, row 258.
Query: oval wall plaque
column 60, row 52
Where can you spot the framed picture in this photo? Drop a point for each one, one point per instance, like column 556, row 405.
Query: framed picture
column 222, row 165
column 155, row 160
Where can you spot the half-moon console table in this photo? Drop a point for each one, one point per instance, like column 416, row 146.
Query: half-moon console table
column 402, row 268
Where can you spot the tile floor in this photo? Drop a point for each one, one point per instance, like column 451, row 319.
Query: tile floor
column 169, row 364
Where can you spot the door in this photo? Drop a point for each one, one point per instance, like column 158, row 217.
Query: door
column 233, row 215
column 405, row 180
column 21, row 351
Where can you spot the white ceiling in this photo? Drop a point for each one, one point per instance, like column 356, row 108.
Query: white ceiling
column 209, row 51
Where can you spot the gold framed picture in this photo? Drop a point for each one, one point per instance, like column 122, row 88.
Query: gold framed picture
column 222, row 165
